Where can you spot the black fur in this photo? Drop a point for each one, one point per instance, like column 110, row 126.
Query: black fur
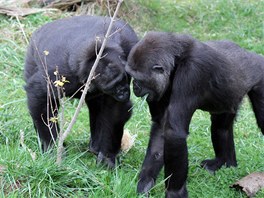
column 180, row 74
column 72, row 44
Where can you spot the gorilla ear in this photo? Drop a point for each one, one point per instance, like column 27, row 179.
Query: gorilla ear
column 183, row 44
column 93, row 49
column 158, row 68
column 87, row 58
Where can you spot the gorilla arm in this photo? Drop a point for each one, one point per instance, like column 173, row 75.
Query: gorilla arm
column 183, row 103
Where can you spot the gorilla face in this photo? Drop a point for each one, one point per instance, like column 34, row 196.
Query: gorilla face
column 114, row 82
column 110, row 75
column 153, row 85
column 150, row 67
column 112, row 78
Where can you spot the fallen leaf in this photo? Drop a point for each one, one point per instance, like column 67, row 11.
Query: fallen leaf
column 127, row 141
column 250, row 184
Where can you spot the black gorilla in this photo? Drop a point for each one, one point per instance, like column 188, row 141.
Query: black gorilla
column 179, row 75
column 71, row 44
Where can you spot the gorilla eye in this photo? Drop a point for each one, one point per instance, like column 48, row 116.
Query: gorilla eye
column 158, row 68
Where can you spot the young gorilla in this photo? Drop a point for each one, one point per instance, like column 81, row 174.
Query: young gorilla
column 179, row 75
column 71, row 46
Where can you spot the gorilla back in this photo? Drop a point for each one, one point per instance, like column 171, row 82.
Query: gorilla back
column 179, row 74
column 70, row 45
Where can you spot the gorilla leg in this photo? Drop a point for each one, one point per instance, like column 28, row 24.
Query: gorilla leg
column 176, row 163
column 96, row 116
column 257, row 100
column 175, row 149
column 153, row 161
column 223, row 142
column 107, row 126
column 45, row 127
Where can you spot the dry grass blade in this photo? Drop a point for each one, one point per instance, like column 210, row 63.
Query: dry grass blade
column 17, row 3
column 2, row 169
column 65, row 4
column 22, row 138
column 16, row 11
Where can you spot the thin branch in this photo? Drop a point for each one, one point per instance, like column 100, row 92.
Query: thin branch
column 72, row 96
column 87, row 86
column 118, row 30
column 109, row 8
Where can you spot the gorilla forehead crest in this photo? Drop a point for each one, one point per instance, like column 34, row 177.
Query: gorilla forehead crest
column 149, row 50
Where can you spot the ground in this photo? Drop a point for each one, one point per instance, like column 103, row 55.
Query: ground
column 79, row 176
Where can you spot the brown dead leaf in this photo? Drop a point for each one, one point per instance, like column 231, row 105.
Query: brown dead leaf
column 250, row 184
column 127, row 141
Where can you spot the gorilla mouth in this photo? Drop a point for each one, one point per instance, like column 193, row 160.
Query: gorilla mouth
column 119, row 92
column 137, row 88
column 142, row 91
column 122, row 97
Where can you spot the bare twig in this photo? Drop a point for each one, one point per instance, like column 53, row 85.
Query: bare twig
column 87, row 86
column 109, row 10
column 118, row 30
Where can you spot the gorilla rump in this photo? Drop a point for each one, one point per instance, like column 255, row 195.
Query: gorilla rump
column 72, row 44
column 179, row 75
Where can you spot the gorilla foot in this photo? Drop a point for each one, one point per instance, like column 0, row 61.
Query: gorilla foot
column 144, row 185
column 93, row 149
column 182, row 193
column 108, row 161
column 212, row 165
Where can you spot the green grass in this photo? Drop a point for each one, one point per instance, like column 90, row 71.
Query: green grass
column 79, row 176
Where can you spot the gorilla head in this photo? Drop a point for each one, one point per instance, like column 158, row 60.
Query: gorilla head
column 152, row 75
column 110, row 76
